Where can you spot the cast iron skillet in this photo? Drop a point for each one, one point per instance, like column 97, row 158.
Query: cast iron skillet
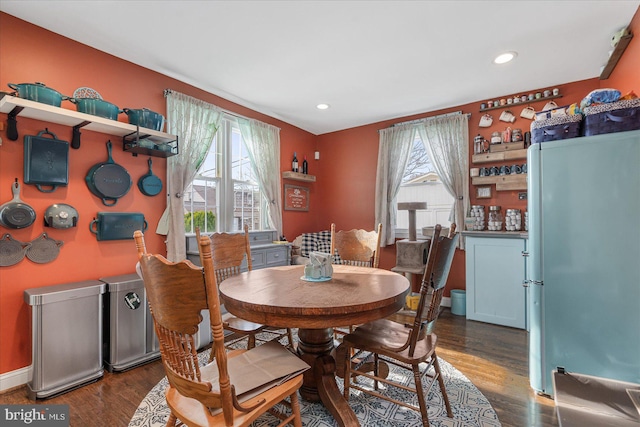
column 16, row 213
column 149, row 184
column 108, row 180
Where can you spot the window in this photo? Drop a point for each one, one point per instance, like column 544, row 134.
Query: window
column 224, row 195
column 421, row 183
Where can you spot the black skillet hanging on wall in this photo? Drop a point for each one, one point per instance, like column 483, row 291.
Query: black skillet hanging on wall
column 108, row 180
column 149, row 184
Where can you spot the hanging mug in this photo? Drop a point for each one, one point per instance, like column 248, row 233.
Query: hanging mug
column 507, row 116
column 486, row 121
column 528, row 113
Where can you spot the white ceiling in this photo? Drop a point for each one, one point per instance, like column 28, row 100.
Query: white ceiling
column 370, row 60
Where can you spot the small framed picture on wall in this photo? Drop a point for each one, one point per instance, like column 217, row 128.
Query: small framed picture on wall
column 483, row 192
column 296, row 198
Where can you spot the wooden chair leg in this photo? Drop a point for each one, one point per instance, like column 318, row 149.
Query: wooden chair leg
column 295, row 409
column 171, row 422
column 376, row 362
column 252, row 341
column 347, row 371
column 436, row 366
column 417, row 378
column 290, row 337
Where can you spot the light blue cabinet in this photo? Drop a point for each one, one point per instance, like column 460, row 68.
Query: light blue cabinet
column 495, row 270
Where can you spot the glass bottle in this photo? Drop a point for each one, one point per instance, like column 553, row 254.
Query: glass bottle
column 305, row 166
column 294, row 163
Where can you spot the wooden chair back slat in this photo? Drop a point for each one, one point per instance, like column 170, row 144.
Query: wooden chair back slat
column 229, row 250
column 441, row 252
column 357, row 247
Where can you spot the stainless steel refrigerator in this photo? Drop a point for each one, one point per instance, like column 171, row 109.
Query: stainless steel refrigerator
column 584, row 257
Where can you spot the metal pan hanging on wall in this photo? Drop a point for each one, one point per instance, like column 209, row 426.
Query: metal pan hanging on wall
column 117, row 225
column 108, row 180
column 46, row 161
column 16, row 213
column 149, row 184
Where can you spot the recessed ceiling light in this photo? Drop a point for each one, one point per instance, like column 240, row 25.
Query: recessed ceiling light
column 322, row 106
column 505, row 57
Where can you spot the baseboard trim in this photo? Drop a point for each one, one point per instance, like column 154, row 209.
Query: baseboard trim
column 14, row 379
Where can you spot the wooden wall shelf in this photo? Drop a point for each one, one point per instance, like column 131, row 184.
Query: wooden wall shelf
column 499, row 156
column 18, row 107
column 503, row 182
column 522, row 103
column 615, row 56
column 297, row 176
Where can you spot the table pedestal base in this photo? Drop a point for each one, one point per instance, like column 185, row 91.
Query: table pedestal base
column 319, row 382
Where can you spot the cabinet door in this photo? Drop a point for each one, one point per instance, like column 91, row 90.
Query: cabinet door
column 495, row 271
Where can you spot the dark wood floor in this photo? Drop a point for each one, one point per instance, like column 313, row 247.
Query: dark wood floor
column 493, row 357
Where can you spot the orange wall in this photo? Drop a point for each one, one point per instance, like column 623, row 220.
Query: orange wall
column 28, row 54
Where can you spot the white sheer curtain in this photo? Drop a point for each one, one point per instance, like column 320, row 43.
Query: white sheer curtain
column 195, row 122
column 393, row 154
column 263, row 144
column 447, row 141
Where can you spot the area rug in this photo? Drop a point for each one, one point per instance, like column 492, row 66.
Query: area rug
column 470, row 407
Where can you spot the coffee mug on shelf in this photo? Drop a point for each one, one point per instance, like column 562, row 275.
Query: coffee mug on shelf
column 494, row 171
column 515, row 169
column 523, row 168
column 504, row 170
column 485, row 172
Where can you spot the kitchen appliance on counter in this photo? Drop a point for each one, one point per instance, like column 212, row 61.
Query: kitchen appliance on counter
column 584, row 251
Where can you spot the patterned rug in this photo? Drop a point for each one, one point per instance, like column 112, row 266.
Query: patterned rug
column 470, row 407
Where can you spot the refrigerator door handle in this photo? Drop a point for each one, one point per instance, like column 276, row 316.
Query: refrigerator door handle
column 528, row 282
column 525, row 253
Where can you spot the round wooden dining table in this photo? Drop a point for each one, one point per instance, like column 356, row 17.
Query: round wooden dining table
column 282, row 297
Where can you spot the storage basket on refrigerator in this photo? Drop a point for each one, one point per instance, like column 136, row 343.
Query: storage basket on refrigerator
column 556, row 128
column 617, row 116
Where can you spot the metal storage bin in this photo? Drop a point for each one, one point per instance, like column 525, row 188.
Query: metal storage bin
column 129, row 337
column 66, row 325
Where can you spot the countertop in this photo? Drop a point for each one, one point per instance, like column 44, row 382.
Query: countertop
column 499, row 234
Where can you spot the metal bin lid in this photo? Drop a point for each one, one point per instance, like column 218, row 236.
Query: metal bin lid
column 123, row 282
column 62, row 292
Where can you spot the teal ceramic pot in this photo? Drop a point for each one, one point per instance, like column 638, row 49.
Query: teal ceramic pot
column 38, row 92
column 97, row 107
column 145, row 118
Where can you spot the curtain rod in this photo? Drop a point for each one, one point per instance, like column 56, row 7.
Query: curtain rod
column 426, row 119
column 224, row 110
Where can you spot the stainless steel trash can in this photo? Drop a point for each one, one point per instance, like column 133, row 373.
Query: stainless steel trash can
column 66, row 323
column 129, row 337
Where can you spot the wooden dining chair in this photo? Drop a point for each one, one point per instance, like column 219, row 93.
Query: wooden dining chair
column 402, row 346
column 229, row 251
column 206, row 395
column 356, row 247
